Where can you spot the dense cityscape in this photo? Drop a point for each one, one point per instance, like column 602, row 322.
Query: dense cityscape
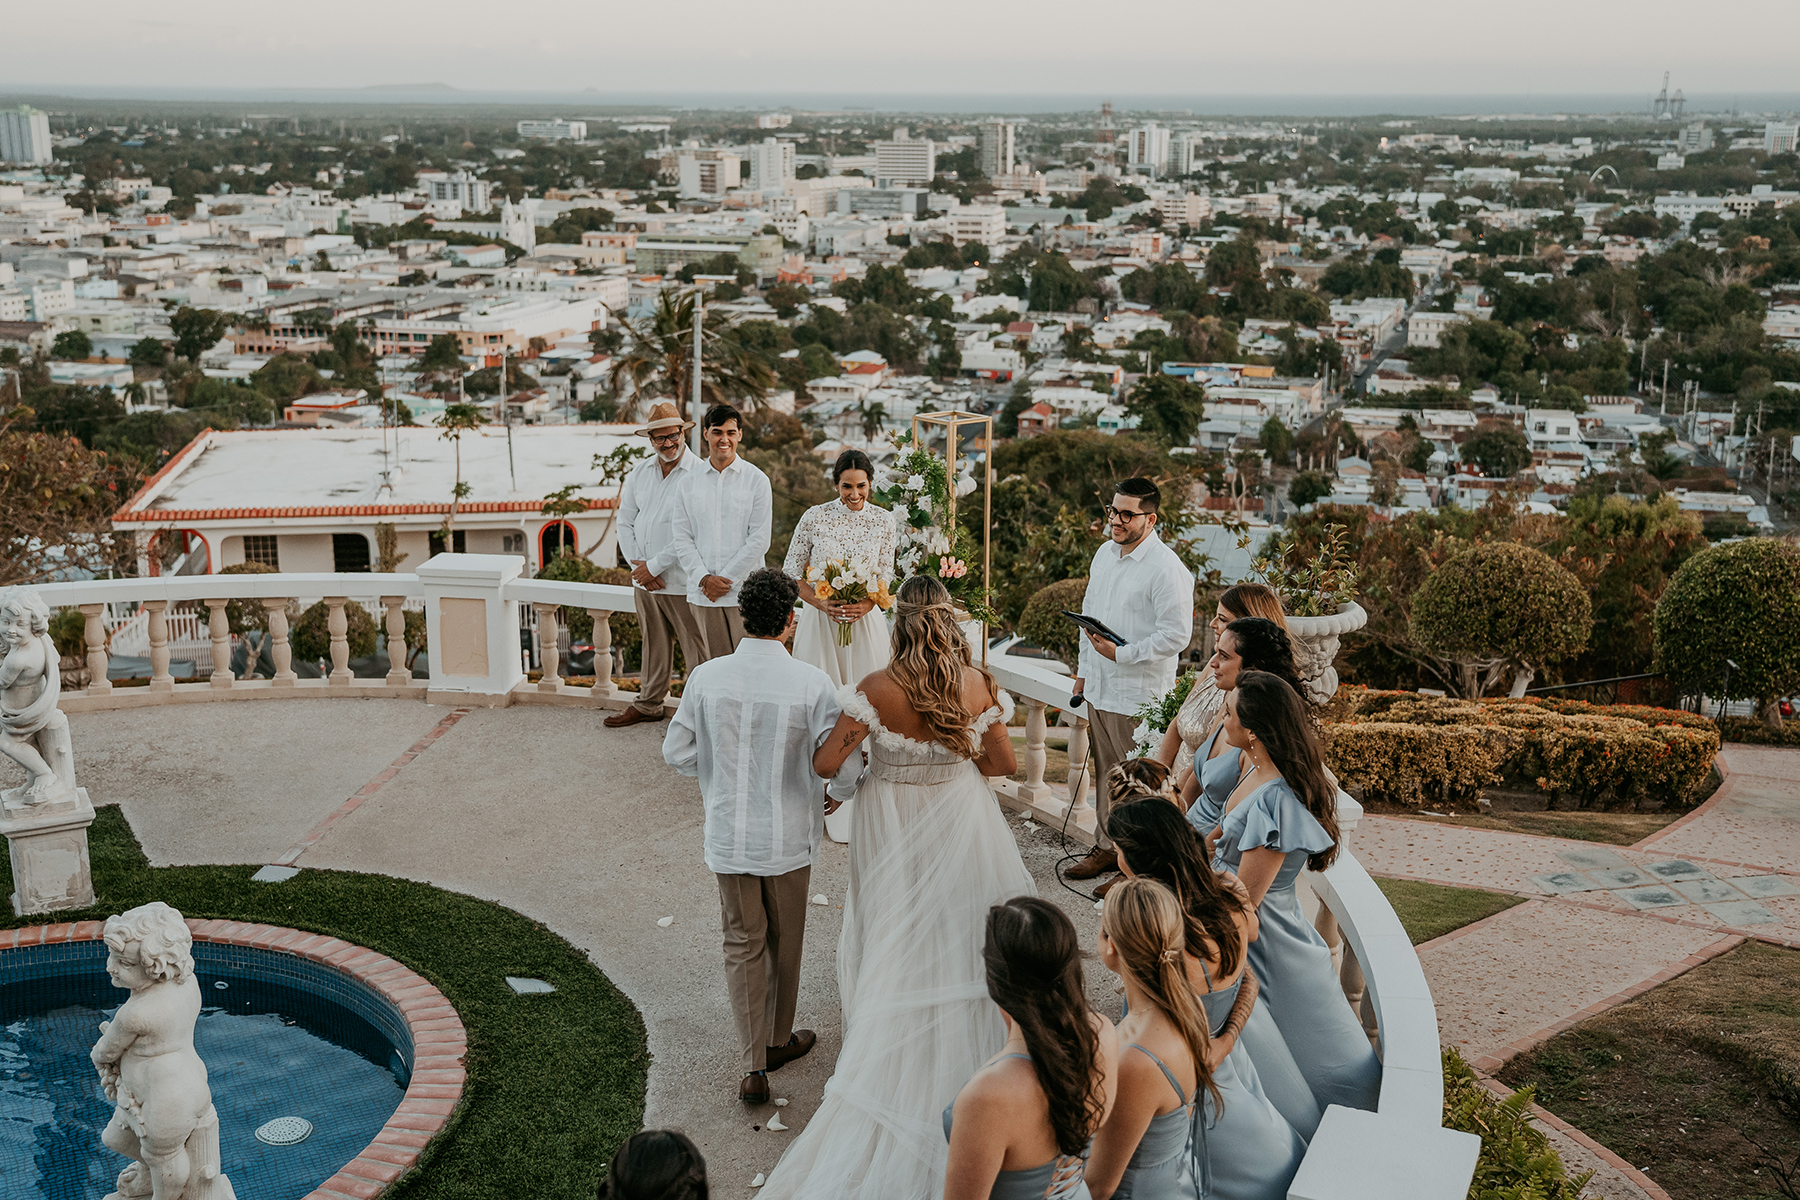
column 1471, row 438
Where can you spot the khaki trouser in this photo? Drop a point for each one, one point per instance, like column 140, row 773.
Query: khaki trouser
column 723, row 628
column 663, row 617
column 764, row 917
column 1113, row 736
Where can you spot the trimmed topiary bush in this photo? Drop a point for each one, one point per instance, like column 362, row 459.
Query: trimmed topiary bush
column 241, row 616
column 1738, row 601
column 1043, row 624
column 1501, row 607
column 1417, row 764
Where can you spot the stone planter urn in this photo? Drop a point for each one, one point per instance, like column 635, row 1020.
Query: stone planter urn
column 1316, row 645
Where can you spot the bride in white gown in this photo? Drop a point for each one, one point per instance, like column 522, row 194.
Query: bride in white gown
column 930, row 854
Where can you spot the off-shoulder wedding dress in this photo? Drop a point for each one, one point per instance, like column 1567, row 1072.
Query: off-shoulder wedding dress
column 931, row 852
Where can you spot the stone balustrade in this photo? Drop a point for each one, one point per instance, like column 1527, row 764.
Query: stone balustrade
column 472, row 613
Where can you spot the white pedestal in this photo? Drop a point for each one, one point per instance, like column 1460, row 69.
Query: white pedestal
column 49, row 847
column 1357, row 1155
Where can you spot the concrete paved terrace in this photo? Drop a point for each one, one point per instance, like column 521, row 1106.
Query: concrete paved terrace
column 583, row 828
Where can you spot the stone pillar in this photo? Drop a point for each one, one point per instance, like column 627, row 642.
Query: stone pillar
column 95, row 636
column 221, row 644
column 603, row 660
column 1078, row 775
column 549, row 656
column 280, row 651
column 338, row 626
column 472, row 629
column 398, row 675
column 160, row 679
column 1034, row 790
column 48, row 844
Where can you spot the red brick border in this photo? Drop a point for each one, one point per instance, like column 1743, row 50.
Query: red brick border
column 1493, row 1062
column 439, row 1042
column 1727, row 782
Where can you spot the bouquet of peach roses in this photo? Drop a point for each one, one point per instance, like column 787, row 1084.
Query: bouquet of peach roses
column 849, row 581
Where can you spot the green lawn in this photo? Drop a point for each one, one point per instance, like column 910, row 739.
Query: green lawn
column 555, row 1082
column 1430, row 910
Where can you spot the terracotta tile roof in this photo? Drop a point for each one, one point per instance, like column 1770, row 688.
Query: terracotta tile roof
column 165, row 515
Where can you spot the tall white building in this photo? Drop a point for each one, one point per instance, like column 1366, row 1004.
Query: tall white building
column 24, row 136
column 905, row 161
column 774, row 120
column 708, row 175
column 474, row 195
column 554, row 130
column 1147, row 149
column 1186, row 150
column 771, row 165
column 984, row 223
column 1780, row 139
column 997, row 157
column 1695, row 139
column 518, row 226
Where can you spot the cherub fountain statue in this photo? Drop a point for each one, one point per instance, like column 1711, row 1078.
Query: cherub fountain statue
column 33, row 731
column 45, row 820
column 164, row 1120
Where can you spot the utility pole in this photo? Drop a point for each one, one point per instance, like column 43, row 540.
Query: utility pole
column 1665, row 388
column 506, row 415
column 699, row 303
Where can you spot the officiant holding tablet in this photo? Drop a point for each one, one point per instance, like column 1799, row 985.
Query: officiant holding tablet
column 1138, row 588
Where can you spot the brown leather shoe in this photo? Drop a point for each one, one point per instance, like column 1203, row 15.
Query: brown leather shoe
column 1109, row 885
column 798, row 1046
column 754, row 1089
column 1098, row 862
column 632, row 716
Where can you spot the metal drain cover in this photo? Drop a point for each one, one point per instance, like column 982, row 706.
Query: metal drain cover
column 284, row 1131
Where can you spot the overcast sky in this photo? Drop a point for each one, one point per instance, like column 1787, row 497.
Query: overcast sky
column 792, row 47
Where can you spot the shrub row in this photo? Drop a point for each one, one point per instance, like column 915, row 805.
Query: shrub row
column 1410, row 749
column 1748, row 729
column 1517, row 1161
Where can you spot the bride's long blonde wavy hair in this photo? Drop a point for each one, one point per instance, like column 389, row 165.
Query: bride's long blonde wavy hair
column 930, row 654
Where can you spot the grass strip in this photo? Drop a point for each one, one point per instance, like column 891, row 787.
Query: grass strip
column 555, row 1082
column 1429, row 910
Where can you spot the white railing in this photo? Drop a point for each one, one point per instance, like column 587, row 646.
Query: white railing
column 471, row 604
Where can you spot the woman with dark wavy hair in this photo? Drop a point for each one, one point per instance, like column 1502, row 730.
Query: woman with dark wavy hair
column 1279, row 820
column 1247, row 644
column 657, row 1164
column 1019, row 1129
column 1206, row 700
column 930, row 853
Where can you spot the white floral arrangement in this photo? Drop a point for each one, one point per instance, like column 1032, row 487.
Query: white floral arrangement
column 917, row 486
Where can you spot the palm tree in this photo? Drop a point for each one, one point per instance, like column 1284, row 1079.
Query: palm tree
column 455, row 420
column 659, row 361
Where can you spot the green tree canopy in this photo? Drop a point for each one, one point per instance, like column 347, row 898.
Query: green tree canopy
column 1738, row 601
column 1167, row 408
column 1231, row 263
column 197, row 330
column 72, row 344
column 1501, row 606
column 1308, row 486
column 1498, row 448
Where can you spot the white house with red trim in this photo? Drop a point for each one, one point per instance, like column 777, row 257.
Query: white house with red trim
column 310, row 500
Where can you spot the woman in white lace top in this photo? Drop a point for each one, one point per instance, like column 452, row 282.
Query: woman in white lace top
column 846, row 528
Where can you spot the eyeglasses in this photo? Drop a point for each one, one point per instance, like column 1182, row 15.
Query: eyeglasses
column 665, row 439
column 1122, row 514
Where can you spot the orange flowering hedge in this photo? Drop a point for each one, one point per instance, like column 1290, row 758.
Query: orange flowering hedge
column 1412, row 749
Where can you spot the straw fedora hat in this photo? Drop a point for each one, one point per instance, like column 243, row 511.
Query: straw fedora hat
column 664, row 415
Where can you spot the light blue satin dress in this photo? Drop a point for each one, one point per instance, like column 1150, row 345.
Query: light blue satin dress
column 1275, row 1067
column 1299, row 983
column 1243, row 1149
column 1062, row 1178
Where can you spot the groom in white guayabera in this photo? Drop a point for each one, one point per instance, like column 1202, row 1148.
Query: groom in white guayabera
column 748, row 725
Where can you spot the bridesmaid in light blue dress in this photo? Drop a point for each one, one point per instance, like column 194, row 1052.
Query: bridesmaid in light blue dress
column 1281, row 819
column 1021, row 1127
column 1179, row 1130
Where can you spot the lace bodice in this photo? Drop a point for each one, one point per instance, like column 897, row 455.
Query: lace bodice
column 896, row 749
column 1194, row 718
column 829, row 532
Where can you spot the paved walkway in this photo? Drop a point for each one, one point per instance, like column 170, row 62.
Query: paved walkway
column 585, row 829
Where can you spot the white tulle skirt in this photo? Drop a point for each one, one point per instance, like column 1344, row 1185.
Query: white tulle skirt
column 816, row 643
column 931, row 852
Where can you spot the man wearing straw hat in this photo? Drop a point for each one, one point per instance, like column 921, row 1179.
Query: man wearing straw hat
column 659, row 583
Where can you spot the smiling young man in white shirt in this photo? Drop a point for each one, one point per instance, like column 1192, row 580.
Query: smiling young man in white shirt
column 1138, row 588
column 647, row 507
column 722, row 528
column 748, row 724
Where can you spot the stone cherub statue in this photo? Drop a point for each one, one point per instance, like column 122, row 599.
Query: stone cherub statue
column 34, row 732
column 164, row 1119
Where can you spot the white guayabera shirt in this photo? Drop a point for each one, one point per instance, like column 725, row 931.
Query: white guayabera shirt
column 647, row 518
column 722, row 527
column 748, row 724
column 1147, row 598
